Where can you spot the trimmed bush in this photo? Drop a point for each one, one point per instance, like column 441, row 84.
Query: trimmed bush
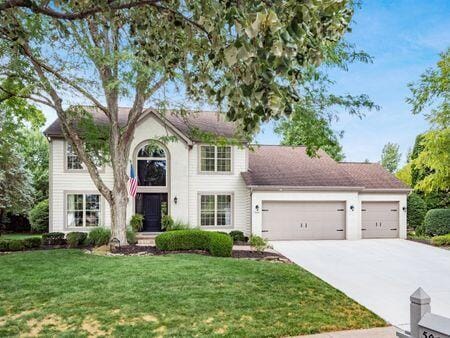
column 76, row 239
column 39, row 217
column 99, row 236
column 417, row 208
column 237, row 236
column 220, row 245
column 16, row 245
column 131, row 237
column 437, row 222
column 216, row 244
column 53, row 238
column 4, row 244
column 32, row 242
column 443, row 240
column 137, row 222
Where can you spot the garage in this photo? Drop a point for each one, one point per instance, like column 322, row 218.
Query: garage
column 300, row 220
column 380, row 219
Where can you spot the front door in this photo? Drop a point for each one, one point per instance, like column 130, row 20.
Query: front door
column 149, row 205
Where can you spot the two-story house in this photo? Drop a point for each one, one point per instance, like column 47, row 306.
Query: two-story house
column 274, row 191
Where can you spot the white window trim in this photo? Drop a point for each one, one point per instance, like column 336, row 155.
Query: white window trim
column 215, row 194
column 84, row 193
column 215, row 171
column 101, row 169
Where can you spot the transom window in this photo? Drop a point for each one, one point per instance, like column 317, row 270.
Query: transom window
column 83, row 210
column 215, row 158
column 215, row 210
column 151, row 166
column 73, row 162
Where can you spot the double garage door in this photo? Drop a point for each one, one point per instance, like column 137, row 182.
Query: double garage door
column 286, row 220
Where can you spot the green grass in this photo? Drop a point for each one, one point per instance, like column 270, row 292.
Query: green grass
column 19, row 236
column 52, row 292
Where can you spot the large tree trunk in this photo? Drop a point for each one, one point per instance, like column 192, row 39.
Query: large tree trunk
column 119, row 215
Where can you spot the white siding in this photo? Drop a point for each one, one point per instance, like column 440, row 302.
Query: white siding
column 62, row 181
column 217, row 182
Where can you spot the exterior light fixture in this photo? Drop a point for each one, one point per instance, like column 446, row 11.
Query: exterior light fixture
column 257, row 208
column 404, row 209
column 352, row 207
column 175, row 200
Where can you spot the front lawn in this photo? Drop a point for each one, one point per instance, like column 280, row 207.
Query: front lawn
column 46, row 292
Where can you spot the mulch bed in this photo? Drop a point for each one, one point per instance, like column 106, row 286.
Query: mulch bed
column 152, row 250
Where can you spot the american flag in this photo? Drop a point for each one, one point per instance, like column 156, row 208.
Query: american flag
column 132, row 182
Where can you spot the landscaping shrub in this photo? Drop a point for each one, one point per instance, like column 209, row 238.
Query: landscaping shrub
column 4, row 244
column 16, row 245
column 39, row 217
column 220, row 245
column 53, row 238
column 437, row 222
column 99, row 236
column 32, row 242
column 417, row 208
column 443, row 240
column 137, row 222
column 258, row 243
column 76, row 239
column 131, row 236
column 237, row 236
column 168, row 224
column 216, row 244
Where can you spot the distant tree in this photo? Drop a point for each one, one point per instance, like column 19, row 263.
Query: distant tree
column 390, row 157
column 34, row 149
column 431, row 153
column 404, row 174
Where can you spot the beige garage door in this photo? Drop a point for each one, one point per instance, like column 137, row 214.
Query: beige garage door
column 284, row 220
column 380, row 219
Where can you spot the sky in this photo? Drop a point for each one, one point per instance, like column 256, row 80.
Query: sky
column 404, row 38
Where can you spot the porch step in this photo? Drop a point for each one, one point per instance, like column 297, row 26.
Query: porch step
column 146, row 239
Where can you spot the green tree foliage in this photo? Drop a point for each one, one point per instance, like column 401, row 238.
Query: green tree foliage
column 431, row 154
column 390, row 157
column 417, row 209
column 310, row 123
column 245, row 57
column 39, row 217
column 34, row 149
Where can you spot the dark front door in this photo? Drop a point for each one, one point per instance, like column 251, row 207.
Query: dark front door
column 149, row 205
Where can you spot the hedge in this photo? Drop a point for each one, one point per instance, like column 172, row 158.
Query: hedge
column 437, row 222
column 19, row 244
column 39, row 217
column 215, row 243
column 417, row 208
column 53, row 238
column 238, row 236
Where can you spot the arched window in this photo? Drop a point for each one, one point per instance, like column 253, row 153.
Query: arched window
column 151, row 166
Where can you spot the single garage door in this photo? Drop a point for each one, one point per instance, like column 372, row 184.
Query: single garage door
column 285, row 220
column 380, row 220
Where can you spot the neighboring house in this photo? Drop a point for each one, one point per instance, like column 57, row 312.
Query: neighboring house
column 274, row 191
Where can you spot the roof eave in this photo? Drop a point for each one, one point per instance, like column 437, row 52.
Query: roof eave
column 389, row 190
column 302, row 188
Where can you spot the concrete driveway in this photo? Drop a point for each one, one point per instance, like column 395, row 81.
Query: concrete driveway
column 380, row 274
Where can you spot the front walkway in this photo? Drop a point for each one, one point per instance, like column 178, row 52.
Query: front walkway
column 380, row 274
column 379, row 332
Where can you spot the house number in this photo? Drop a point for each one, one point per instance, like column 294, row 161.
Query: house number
column 427, row 334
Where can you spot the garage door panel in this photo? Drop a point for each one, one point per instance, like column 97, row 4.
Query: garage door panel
column 285, row 220
column 380, row 220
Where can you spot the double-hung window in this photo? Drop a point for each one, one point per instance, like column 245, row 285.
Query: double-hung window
column 72, row 160
column 216, row 210
column 215, row 159
column 83, row 210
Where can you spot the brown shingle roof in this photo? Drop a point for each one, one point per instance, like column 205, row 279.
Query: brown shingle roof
column 205, row 121
column 291, row 166
column 285, row 166
column 372, row 176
